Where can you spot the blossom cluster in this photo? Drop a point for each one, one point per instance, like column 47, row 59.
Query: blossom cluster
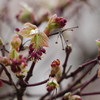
column 55, row 75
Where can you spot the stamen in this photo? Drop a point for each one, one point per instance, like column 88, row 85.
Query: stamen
column 57, row 39
column 62, row 42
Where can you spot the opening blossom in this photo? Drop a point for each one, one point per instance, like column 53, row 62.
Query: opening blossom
column 52, row 84
column 37, row 42
column 38, row 38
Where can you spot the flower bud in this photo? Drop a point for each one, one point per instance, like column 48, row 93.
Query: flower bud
column 56, row 69
column 66, row 96
column 18, row 65
column 52, row 84
column 55, row 22
column 68, row 48
column 15, row 42
column 55, row 63
column 17, row 29
column 25, row 15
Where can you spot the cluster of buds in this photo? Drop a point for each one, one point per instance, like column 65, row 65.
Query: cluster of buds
column 56, row 70
column 16, row 61
column 68, row 96
column 25, row 15
column 55, row 22
column 55, row 75
column 35, row 54
column 18, row 65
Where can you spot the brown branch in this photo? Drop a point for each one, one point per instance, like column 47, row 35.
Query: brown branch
column 36, row 84
column 81, row 67
column 75, row 82
column 29, row 74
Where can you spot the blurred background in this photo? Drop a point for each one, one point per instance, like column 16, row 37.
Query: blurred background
column 82, row 13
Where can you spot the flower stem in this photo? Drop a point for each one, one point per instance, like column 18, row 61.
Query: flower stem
column 30, row 72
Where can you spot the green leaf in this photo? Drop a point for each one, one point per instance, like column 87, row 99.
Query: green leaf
column 13, row 54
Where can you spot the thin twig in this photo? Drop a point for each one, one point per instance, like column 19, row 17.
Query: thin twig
column 29, row 74
column 81, row 67
column 90, row 93
column 67, row 29
column 75, row 82
column 36, row 84
column 5, row 81
column 9, row 76
column 89, row 81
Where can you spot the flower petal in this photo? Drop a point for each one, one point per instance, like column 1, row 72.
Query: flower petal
column 26, row 30
column 39, row 40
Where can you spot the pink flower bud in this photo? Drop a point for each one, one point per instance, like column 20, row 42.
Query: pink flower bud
column 55, row 63
column 17, row 29
column 31, row 45
column 42, row 50
column 50, row 88
column 52, row 84
column 55, row 22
